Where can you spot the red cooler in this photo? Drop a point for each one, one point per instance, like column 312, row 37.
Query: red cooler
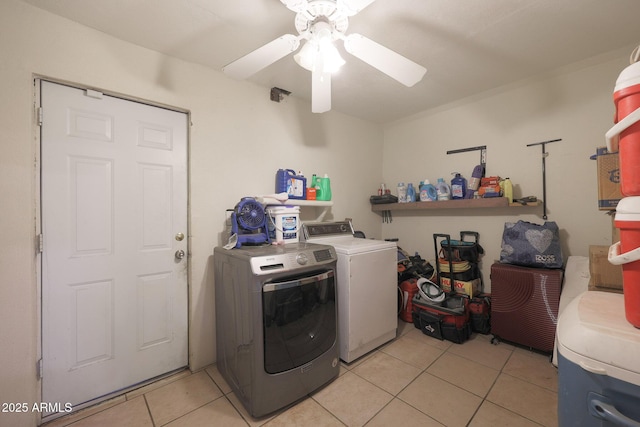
column 624, row 136
column 626, row 252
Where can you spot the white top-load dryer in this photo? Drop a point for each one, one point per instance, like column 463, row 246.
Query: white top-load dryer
column 367, row 282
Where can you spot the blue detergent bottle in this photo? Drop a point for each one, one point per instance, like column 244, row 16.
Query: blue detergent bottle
column 411, row 193
column 428, row 192
column 458, row 186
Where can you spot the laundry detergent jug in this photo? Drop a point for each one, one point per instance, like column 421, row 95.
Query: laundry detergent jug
column 288, row 182
column 458, row 186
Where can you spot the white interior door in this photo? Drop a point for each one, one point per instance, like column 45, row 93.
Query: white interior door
column 114, row 202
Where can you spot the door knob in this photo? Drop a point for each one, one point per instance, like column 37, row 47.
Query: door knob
column 180, row 254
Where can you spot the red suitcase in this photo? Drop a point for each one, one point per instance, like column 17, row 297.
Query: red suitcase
column 524, row 305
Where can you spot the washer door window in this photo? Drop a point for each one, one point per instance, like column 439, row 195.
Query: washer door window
column 300, row 319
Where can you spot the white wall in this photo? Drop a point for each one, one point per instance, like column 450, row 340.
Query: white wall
column 238, row 140
column 574, row 104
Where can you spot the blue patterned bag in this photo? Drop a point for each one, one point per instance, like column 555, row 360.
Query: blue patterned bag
column 531, row 245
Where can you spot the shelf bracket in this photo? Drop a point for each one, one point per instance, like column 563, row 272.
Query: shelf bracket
column 481, row 148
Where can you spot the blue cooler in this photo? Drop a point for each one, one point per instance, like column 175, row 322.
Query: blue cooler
column 598, row 363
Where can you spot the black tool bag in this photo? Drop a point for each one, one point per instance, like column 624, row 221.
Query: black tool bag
column 429, row 323
column 446, row 320
column 458, row 252
column 411, row 267
column 461, row 250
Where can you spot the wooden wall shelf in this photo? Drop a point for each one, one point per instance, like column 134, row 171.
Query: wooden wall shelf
column 492, row 202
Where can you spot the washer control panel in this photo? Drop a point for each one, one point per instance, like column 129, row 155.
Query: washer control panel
column 288, row 257
column 326, row 229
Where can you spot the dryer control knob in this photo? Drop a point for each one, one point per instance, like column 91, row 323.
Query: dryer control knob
column 302, row 259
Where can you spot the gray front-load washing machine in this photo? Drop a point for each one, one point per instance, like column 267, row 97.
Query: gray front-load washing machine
column 276, row 322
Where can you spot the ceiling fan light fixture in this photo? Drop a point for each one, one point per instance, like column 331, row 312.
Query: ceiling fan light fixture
column 323, row 57
column 306, row 58
column 331, row 59
column 319, row 53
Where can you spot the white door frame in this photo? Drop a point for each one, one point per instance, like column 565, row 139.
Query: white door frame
column 38, row 219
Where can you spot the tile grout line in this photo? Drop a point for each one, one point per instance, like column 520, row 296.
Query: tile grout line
column 309, row 396
column 225, row 396
column 199, row 407
column 512, row 376
column 395, row 396
column 144, row 396
column 483, row 398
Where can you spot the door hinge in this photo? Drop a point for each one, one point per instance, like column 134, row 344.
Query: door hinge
column 93, row 94
column 39, row 369
column 39, row 115
column 39, row 243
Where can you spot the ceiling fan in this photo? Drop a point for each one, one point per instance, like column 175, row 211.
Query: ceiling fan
column 320, row 23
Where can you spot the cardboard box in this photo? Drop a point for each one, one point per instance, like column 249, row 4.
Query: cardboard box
column 471, row 287
column 604, row 275
column 608, row 179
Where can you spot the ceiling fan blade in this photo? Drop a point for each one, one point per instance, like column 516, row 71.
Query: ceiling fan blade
column 262, row 57
column 384, row 59
column 351, row 7
column 320, row 92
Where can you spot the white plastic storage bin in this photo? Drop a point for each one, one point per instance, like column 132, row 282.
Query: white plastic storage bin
column 598, row 363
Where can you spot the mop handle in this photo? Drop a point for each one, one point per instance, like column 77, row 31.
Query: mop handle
column 544, row 174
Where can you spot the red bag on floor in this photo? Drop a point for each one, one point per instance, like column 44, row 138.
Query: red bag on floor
column 408, row 288
column 480, row 312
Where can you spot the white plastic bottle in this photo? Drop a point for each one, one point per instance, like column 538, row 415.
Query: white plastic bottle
column 444, row 192
column 402, row 193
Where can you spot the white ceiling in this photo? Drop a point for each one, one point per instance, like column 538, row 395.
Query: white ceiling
column 467, row 46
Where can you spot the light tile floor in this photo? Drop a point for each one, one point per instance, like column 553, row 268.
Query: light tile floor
column 414, row 380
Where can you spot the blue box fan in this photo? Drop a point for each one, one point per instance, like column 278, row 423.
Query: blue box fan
column 249, row 222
